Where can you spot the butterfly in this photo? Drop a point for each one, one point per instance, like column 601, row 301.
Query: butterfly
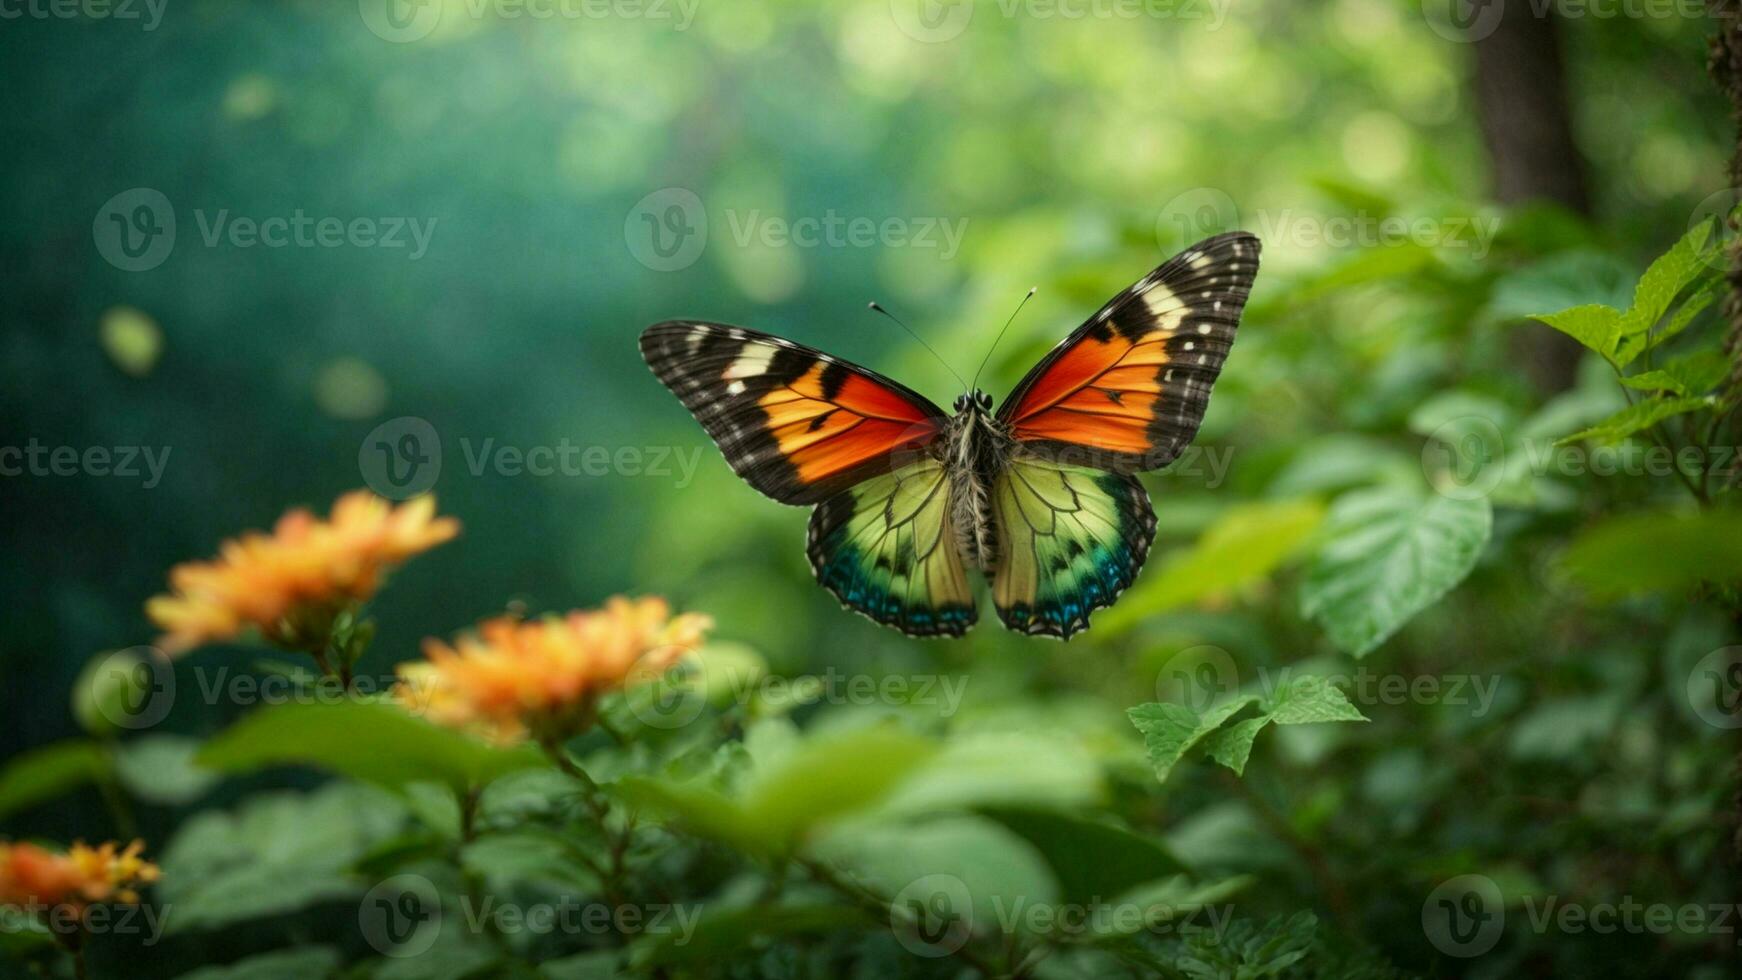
column 1041, row 497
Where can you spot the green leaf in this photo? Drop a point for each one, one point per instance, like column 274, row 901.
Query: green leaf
column 831, row 776
column 372, row 741
column 1387, row 554
column 274, row 854
column 1171, row 730
column 35, row 775
column 1564, row 280
column 529, row 855
column 1657, row 551
column 701, row 808
column 1164, row 901
column 1000, row 769
column 1595, row 326
column 1668, row 276
column 823, row 779
column 1091, row 858
column 1655, row 381
column 1244, row 546
column 284, row 964
column 721, row 933
column 1694, row 374
column 1635, row 418
column 995, row 868
column 160, row 769
column 1309, row 700
column 1232, row 746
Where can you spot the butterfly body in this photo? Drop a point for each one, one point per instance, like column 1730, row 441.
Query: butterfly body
column 1039, row 497
column 977, row 445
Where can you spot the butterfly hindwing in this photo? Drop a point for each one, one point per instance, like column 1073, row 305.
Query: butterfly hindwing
column 1127, row 390
column 886, row 548
column 1070, row 539
column 795, row 423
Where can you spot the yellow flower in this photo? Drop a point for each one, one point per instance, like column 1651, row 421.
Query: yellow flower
column 34, row 877
column 513, row 680
column 291, row 583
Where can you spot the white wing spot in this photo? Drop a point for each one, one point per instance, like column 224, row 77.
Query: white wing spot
column 735, row 388
column 751, row 362
column 1189, row 345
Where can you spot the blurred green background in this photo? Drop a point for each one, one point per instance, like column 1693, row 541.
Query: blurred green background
column 540, row 155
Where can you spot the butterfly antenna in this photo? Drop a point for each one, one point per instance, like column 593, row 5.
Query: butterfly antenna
column 1031, row 291
column 873, row 306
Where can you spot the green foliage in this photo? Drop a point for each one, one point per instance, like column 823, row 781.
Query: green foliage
column 44, row 773
column 1389, row 553
column 1170, row 730
column 1670, row 551
column 375, row 742
column 1242, row 548
column 1401, row 514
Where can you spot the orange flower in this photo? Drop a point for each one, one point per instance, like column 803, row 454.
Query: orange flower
column 34, row 877
column 291, row 583
column 514, row 680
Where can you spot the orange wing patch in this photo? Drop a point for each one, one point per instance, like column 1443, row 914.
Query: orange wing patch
column 1127, row 390
column 799, row 425
column 828, row 423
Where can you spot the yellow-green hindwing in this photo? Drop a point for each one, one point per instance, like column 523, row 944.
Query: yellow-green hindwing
column 886, row 549
column 1070, row 539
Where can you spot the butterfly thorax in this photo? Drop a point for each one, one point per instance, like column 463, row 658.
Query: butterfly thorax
column 975, row 445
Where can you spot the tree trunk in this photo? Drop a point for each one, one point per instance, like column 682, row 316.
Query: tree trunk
column 1526, row 121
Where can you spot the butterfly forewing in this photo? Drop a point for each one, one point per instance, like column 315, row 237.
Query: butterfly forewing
column 795, row 423
column 1127, row 390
